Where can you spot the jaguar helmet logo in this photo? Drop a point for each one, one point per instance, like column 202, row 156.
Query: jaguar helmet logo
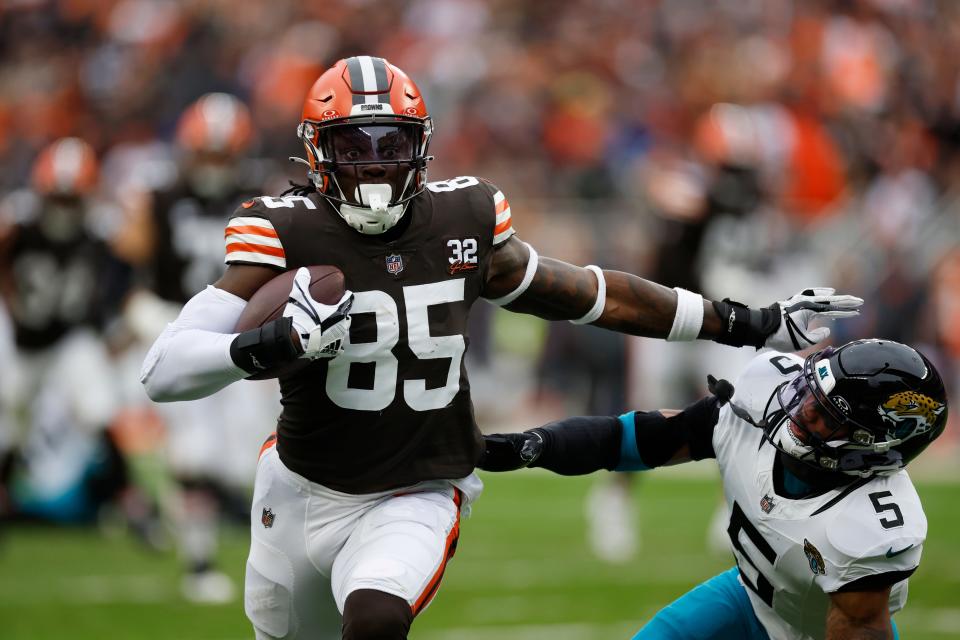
column 910, row 410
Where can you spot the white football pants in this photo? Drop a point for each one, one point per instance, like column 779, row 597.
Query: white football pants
column 312, row 546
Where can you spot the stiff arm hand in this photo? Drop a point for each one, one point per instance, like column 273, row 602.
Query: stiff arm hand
column 784, row 325
column 797, row 312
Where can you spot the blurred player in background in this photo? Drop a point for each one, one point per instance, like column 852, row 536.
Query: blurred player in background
column 358, row 497
column 825, row 524
column 177, row 243
column 60, row 285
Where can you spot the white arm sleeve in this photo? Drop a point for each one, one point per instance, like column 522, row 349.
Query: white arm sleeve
column 191, row 358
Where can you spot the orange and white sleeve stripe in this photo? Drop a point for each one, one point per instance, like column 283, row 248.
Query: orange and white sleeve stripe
column 253, row 240
column 504, row 224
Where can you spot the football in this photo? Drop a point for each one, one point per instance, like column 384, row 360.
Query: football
column 267, row 303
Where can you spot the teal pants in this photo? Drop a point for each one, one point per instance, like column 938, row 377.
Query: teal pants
column 718, row 609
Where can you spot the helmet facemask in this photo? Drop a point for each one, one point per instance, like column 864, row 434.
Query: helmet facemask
column 814, row 429
column 368, row 168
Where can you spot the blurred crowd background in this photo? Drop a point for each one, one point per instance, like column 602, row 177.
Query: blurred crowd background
column 742, row 148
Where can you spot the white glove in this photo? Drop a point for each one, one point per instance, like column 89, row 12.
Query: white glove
column 321, row 327
column 794, row 333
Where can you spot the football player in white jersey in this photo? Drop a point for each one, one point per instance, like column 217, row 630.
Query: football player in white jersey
column 825, row 523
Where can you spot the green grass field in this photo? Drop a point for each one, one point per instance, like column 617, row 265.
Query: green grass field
column 522, row 571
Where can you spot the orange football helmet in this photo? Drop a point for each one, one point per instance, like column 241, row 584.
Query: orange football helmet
column 66, row 168
column 217, row 123
column 366, row 132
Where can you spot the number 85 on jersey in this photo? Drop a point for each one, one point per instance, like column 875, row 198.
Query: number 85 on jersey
column 380, row 352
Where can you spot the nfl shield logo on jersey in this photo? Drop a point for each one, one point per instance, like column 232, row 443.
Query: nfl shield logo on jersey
column 814, row 558
column 766, row 503
column 394, row 264
column 267, row 517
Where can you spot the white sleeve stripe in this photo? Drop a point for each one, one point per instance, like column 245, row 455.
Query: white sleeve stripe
column 688, row 318
column 250, row 222
column 252, row 239
column 532, row 263
column 257, row 258
column 498, row 197
column 503, row 216
column 597, row 309
column 501, row 237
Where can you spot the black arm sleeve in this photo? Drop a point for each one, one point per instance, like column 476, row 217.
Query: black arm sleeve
column 581, row 445
column 584, row 444
column 657, row 438
column 692, row 426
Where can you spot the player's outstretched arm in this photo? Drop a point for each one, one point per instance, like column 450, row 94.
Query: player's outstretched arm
column 635, row 441
column 859, row 615
column 523, row 282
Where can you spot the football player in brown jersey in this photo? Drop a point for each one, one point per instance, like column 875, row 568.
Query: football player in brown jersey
column 358, row 498
column 60, row 288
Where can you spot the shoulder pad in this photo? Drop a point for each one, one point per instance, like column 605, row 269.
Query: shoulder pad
column 488, row 203
column 263, row 205
column 883, row 520
column 251, row 238
column 458, row 183
column 760, row 378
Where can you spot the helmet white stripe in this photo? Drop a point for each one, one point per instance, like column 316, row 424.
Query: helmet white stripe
column 219, row 112
column 369, row 79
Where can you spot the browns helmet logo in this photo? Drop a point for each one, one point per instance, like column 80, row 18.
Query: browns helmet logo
column 267, row 517
column 909, row 409
column 814, row 558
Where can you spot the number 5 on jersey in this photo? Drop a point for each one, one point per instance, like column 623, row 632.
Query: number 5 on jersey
column 416, row 299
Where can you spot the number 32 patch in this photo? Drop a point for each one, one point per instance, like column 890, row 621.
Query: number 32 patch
column 462, row 254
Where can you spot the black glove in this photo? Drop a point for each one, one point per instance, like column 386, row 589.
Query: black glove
column 509, row 451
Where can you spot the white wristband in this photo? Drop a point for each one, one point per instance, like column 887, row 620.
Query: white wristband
column 689, row 317
column 597, row 309
column 532, row 263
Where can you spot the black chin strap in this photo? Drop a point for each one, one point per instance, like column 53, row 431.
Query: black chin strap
column 724, row 391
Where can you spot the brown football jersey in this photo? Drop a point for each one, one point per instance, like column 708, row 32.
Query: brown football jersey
column 394, row 408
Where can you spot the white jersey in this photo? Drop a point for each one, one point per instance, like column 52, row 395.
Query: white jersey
column 793, row 553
